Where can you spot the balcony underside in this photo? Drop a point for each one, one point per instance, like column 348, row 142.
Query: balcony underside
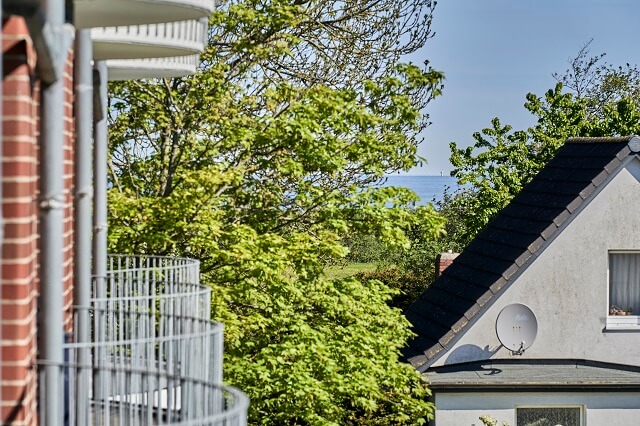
column 111, row 13
column 132, row 69
column 149, row 41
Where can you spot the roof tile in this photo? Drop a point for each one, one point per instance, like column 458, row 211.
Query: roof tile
column 624, row 152
column 497, row 285
column 448, row 337
column 433, row 350
column 474, row 309
column 573, row 206
column 479, row 260
column 470, row 274
column 559, row 220
column 610, row 167
column 522, row 259
column 549, row 231
column 587, row 191
column 459, row 325
column 485, row 298
column 419, row 360
column 510, row 271
column 600, row 177
column 534, row 246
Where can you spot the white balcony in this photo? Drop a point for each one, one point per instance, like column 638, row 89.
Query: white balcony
column 154, row 357
column 135, row 69
column 112, row 13
column 149, row 41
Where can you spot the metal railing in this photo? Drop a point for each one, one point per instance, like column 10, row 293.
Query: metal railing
column 154, row 356
column 144, row 397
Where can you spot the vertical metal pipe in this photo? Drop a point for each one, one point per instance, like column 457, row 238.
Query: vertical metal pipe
column 83, row 79
column 51, row 222
column 100, row 152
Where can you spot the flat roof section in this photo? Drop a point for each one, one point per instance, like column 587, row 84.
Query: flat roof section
column 531, row 375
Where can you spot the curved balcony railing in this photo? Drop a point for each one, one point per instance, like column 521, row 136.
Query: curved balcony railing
column 154, row 356
column 149, row 41
column 143, row 397
column 141, row 282
column 135, row 69
column 112, row 13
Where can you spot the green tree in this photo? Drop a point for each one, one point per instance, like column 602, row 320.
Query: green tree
column 258, row 166
column 591, row 99
column 598, row 83
column 411, row 269
column 601, row 100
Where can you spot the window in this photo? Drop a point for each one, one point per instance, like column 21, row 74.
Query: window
column 548, row 416
column 624, row 290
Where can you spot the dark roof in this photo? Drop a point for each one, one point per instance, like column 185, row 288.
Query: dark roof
column 527, row 375
column 510, row 242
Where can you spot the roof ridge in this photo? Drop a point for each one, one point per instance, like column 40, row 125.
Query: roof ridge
column 600, row 139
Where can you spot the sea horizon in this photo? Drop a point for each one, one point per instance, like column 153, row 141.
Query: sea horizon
column 430, row 188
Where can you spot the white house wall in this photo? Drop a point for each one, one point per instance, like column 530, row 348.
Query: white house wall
column 566, row 286
column 600, row 408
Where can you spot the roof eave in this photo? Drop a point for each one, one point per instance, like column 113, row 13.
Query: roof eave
column 535, row 387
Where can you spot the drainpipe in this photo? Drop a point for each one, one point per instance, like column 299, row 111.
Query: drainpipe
column 51, row 216
column 84, row 190
column 100, row 153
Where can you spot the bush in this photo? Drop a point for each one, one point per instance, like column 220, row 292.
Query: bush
column 409, row 286
column 366, row 249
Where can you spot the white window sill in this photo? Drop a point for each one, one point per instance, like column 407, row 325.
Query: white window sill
column 623, row 322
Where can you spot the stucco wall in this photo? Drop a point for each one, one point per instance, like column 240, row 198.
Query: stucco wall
column 600, row 408
column 566, row 286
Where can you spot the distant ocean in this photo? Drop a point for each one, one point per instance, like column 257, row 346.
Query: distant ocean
column 427, row 188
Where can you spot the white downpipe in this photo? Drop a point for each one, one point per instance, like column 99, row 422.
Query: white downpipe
column 100, row 153
column 51, row 221
column 83, row 79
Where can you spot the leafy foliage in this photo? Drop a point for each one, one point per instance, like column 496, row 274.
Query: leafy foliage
column 599, row 84
column 408, row 285
column 488, row 420
column 259, row 166
column 307, row 349
column 603, row 101
column 367, row 249
column 411, row 269
column 419, row 259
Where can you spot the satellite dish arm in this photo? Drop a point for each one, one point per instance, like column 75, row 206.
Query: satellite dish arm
column 520, row 350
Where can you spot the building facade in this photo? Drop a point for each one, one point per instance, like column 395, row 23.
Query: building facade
column 567, row 249
column 86, row 337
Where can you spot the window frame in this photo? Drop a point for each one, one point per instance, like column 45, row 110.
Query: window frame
column 617, row 322
column 582, row 407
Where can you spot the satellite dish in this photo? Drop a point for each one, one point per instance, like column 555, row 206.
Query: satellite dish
column 516, row 328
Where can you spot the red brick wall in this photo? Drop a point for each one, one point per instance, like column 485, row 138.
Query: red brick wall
column 19, row 247
column 69, row 143
column 20, row 173
column 443, row 260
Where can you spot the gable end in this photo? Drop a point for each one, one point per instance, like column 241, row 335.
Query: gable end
column 510, row 243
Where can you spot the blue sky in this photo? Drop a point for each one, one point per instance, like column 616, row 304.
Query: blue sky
column 494, row 52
